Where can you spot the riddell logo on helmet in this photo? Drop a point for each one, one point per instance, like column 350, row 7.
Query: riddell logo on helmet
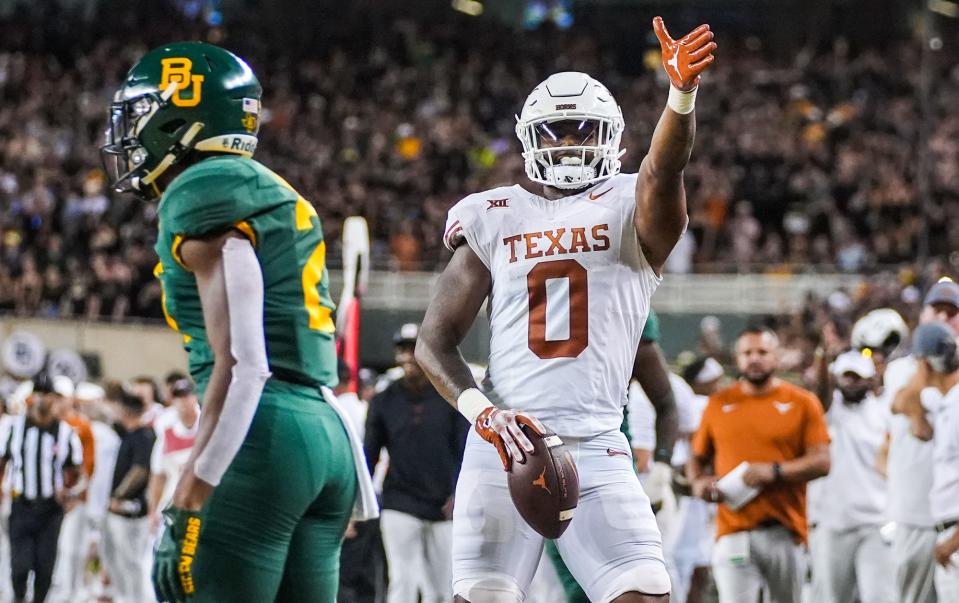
column 566, row 107
column 236, row 143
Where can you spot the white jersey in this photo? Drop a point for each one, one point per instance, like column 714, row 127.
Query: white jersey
column 909, row 468
column 944, row 497
column 854, row 493
column 106, row 446
column 642, row 417
column 570, row 295
column 171, row 450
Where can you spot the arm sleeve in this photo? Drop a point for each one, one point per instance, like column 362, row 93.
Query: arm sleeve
column 374, row 440
column 815, row 430
column 244, row 292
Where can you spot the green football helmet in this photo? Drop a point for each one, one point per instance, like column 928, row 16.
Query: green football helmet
column 179, row 98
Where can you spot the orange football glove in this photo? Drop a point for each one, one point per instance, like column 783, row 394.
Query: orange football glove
column 684, row 59
column 501, row 428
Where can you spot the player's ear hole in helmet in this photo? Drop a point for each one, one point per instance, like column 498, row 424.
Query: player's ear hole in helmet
column 178, row 102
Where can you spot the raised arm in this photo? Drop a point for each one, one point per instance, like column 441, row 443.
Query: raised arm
column 660, row 216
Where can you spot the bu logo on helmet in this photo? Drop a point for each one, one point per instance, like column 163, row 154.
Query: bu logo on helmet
column 179, row 70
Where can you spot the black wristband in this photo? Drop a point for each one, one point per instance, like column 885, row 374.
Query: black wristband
column 777, row 472
column 662, row 455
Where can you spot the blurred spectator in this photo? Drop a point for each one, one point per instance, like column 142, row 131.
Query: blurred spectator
column 73, row 531
column 175, row 430
column 934, row 347
column 772, row 435
column 107, row 445
column 362, row 566
column 850, row 553
column 126, row 543
column 425, row 438
column 910, row 456
column 690, row 542
column 46, row 458
column 148, row 391
column 169, row 381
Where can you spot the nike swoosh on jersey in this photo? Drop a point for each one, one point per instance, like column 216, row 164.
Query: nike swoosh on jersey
column 595, row 197
column 729, row 407
column 614, row 452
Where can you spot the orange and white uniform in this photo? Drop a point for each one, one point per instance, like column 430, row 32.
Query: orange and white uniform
column 570, row 295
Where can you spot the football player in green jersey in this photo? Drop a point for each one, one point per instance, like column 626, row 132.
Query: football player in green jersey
column 267, row 492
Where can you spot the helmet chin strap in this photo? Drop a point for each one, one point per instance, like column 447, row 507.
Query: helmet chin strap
column 172, row 155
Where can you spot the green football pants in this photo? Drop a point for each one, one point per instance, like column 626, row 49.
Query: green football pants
column 273, row 528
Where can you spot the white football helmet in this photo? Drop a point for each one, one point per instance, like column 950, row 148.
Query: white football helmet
column 881, row 330
column 570, row 106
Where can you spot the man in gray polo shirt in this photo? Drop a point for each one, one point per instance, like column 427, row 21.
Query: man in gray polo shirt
column 935, row 348
column 910, row 458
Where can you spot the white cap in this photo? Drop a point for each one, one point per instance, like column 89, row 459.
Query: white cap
column 854, row 361
column 63, row 385
column 88, row 392
column 407, row 333
column 711, row 371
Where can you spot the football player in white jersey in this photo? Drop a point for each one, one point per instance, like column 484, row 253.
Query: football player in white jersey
column 568, row 273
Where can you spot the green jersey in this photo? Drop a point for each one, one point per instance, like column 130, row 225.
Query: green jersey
column 228, row 192
column 651, row 328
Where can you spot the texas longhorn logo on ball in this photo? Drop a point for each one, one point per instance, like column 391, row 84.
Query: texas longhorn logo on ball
column 541, row 481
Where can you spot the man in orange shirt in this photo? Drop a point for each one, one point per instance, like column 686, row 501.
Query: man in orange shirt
column 779, row 430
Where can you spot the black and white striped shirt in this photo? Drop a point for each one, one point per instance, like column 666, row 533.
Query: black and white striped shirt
column 37, row 455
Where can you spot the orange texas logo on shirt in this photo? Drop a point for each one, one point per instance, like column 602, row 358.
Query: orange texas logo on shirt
column 579, row 239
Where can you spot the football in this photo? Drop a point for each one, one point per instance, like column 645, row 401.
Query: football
column 545, row 489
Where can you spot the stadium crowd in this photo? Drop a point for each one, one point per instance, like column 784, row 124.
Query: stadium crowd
column 805, row 162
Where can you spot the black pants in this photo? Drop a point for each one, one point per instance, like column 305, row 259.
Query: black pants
column 363, row 566
column 34, row 530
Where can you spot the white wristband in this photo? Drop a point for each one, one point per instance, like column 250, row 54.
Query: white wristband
column 471, row 403
column 681, row 102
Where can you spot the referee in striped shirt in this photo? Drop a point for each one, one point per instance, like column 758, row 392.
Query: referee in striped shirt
column 45, row 457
